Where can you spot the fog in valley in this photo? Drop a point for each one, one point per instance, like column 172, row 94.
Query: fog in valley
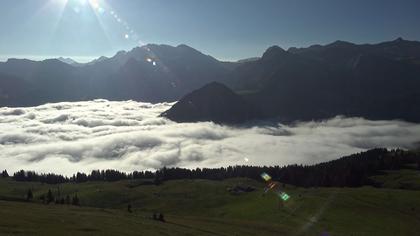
column 81, row 136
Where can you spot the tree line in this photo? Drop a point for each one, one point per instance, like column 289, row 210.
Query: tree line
column 349, row 171
column 50, row 197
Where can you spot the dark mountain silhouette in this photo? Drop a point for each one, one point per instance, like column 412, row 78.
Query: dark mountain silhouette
column 214, row 102
column 373, row 81
column 45, row 81
column 152, row 73
column 12, row 90
column 397, row 49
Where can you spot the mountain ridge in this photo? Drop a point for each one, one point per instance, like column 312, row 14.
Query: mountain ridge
column 375, row 81
column 177, row 71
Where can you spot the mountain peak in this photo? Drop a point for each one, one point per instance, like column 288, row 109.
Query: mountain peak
column 67, row 60
column 187, row 49
column 54, row 61
column 340, row 43
column 399, row 39
column 213, row 102
column 120, row 53
column 273, row 51
column 184, row 46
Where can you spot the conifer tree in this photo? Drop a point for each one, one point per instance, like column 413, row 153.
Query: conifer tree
column 29, row 195
column 50, row 196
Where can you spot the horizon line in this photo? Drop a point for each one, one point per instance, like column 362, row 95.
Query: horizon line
column 87, row 59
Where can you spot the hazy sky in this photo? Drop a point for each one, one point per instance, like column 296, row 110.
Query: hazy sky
column 225, row 29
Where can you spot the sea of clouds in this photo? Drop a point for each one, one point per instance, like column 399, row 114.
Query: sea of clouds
column 81, row 136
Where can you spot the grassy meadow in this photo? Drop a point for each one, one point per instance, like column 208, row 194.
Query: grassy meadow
column 204, row 207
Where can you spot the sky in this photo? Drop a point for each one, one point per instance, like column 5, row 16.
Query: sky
column 225, row 29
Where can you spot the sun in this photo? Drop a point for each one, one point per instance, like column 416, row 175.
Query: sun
column 93, row 3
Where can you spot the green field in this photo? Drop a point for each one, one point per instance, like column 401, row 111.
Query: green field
column 401, row 179
column 203, row 207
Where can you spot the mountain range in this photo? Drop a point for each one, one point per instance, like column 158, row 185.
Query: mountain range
column 375, row 81
column 152, row 73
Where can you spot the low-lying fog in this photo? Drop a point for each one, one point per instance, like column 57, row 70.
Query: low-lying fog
column 80, row 136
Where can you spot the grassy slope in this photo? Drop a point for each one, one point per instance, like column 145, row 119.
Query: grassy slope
column 202, row 207
column 400, row 179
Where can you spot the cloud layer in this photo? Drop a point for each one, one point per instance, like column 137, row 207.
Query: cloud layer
column 82, row 136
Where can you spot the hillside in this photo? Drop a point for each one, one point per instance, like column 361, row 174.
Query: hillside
column 215, row 202
column 203, row 207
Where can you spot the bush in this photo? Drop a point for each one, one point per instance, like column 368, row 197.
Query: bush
column 4, row 174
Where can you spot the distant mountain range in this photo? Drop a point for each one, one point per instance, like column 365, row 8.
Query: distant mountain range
column 380, row 81
column 152, row 73
column 375, row 81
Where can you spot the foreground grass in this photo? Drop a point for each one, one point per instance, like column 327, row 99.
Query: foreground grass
column 203, row 207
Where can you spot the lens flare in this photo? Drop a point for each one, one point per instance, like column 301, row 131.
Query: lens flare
column 266, row 177
column 103, row 10
column 94, row 4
